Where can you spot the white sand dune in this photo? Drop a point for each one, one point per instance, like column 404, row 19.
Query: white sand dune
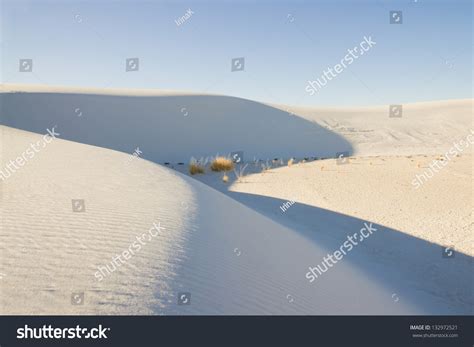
column 177, row 125
column 232, row 259
column 166, row 126
column 325, row 201
column 376, row 185
column 48, row 252
column 423, row 128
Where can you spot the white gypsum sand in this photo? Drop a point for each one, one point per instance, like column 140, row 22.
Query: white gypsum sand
column 231, row 259
column 423, row 128
column 377, row 185
column 167, row 126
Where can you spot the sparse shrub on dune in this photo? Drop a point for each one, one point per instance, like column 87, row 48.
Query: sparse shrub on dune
column 222, row 164
column 195, row 167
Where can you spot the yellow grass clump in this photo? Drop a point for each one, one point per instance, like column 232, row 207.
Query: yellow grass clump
column 196, row 168
column 222, row 164
column 290, row 162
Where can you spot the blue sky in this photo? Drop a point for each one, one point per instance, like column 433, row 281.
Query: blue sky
column 285, row 44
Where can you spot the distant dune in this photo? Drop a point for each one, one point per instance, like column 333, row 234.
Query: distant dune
column 423, row 128
column 167, row 126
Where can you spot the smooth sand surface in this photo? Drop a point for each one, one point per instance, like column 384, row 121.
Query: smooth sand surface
column 423, row 128
column 324, row 202
column 168, row 127
column 232, row 258
column 379, row 189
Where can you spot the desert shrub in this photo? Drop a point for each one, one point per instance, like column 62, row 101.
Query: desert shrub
column 222, row 164
column 196, row 168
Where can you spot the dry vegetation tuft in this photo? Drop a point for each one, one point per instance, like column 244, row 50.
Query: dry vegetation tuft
column 222, row 164
column 196, row 168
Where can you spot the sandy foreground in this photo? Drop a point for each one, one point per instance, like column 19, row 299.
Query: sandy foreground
column 230, row 247
column 230, row 258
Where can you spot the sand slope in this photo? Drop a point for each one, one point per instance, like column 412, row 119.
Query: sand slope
column 423, row 128
column 324, row 202
column 166, row 126
column 231, row 259
column 48, row 252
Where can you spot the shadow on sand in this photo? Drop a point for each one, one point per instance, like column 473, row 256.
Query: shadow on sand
column 171, row 128
column 389, row 257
